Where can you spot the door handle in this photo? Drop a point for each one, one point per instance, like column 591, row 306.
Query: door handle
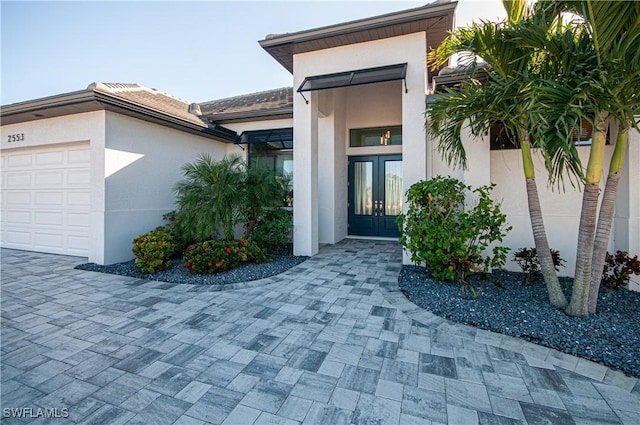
column 378, row 212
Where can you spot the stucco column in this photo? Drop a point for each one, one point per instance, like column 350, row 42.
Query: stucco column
column 305, row 175
column 414, row 146
column 478, row 151
column 627, row 215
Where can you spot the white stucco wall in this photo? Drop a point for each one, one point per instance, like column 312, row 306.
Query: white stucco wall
column 66, row 129
column 142, row 165
column 369, row 105
column 332, row 174
column 374, row 105
column 561, row 209
column 627, row 216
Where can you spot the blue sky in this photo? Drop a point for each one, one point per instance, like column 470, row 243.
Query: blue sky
column 196, row 51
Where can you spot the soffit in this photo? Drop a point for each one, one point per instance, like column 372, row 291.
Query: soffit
column 434, row 19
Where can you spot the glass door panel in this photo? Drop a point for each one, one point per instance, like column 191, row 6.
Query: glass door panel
column 392, row 187
column 363, row 188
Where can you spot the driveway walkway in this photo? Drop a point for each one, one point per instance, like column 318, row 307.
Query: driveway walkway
column 331, row 341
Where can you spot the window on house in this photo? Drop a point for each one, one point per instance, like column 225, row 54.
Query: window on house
column 273, row 150
column 584, row 135
column 501, row 138
column 375, row 136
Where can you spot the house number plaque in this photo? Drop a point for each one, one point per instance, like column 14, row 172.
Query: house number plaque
column 13, row 138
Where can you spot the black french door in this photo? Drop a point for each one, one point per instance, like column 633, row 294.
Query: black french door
column 375, row 195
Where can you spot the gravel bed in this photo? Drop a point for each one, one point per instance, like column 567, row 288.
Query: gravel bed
column 610, row 337
column 245, row 272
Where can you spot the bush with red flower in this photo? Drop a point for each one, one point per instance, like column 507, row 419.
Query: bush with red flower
column 216, row 256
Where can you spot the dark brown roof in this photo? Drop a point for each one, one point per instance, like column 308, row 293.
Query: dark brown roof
column 270, row 104
column 436, row 19
column 129, row 99
column 150, row 98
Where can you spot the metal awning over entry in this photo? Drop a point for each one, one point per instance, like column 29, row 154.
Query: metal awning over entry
column 355, row 78
column 279, row 138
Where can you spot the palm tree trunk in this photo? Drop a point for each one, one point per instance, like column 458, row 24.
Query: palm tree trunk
column 582, row 279
column 251, row 224
column 578, row 306
column 605, row 219
column 547, row 268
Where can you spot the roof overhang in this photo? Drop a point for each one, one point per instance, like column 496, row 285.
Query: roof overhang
column 91, row 100
column 436, row 19
column 248, row 116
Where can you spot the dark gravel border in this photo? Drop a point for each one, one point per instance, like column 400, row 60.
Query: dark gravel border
column 610, row 337
column 245, row 272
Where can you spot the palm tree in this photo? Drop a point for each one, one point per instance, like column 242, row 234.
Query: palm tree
column 210, row 198
column 261, row 190
column 614, row 28
column 505, row 96
column 584, row 71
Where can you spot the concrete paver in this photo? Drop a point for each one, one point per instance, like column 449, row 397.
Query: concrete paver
column 331, row 341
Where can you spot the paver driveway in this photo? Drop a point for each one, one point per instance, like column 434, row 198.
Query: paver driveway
column 331, row 341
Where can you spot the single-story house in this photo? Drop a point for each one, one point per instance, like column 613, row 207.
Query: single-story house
column 83, row 173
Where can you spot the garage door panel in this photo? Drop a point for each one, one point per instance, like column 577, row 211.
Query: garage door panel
column 78, row 177
column 77, row 243
column 78, row 157
column 78, row 199
column 49, row 218
column 19, row 161
column 46, row 199
column 78, row 219
column 16, row 180
column 49, row 199
column 18, row 217
column 17, row 199
column 48, row 240
column 48, row 179
column 20, row 239
column 50, row 158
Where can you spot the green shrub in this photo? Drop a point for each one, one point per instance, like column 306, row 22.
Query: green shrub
column 527, row 259
column 154, row 250
column 440, row 232
column 179, row 240
column 273, row 230
column 618, row 269
column 261, row 192
column 216, row 196
column 216, row 256
column 209, row 200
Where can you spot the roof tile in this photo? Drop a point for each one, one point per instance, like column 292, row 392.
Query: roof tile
column 150, row 98
column 250, row 105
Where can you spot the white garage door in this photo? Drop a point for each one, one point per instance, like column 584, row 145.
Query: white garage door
column 45, row 199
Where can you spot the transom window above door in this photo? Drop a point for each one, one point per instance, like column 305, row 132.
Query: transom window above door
column 375, row 136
